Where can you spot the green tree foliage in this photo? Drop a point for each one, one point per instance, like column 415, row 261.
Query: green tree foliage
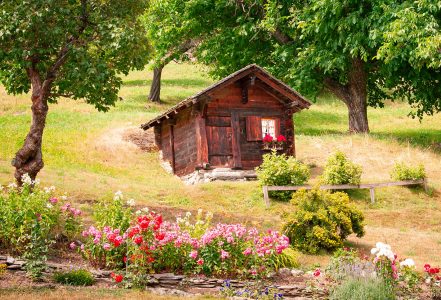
column 281, row 170
column 340, row 170
column 66, row 48
column 411, row 42
column 322, row 220
column 312, row 45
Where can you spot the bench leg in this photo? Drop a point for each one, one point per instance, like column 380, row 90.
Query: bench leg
column 266, row 196
column 372, row 193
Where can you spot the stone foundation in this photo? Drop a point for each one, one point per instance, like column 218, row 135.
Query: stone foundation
column 226, row 174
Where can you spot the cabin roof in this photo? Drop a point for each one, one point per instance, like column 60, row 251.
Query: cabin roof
column 297, row 101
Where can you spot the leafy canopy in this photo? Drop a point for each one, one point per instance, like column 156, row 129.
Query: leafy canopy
column 312, row 45
column 81, row 47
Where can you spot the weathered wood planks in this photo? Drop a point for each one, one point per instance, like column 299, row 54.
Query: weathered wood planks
column 370, row 186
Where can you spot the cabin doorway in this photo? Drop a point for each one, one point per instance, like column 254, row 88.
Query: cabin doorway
column 219, row 140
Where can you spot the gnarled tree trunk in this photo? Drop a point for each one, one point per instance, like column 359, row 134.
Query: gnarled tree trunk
column 29, row 159
column 155, row 89
column 354, row 95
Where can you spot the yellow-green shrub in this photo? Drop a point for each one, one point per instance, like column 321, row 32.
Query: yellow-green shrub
column 322, row 220
column 402, row 171
column 281, row 170
column 340, row 170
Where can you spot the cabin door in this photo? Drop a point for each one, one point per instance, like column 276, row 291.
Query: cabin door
column 223, row 139
column 220, row 153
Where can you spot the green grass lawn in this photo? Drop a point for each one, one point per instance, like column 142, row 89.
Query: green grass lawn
column 85, row 157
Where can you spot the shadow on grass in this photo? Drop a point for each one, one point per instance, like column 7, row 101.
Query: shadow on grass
column 174, row 82
column 428, row 139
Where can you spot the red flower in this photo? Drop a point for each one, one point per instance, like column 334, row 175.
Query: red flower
column 200, row 261
column 125, row 259
column 150, row 259
column 138, row 240
column 160, row 236
column 433, row 270
column 133, row 231
column 281, row 139
column 268, row 138
column 144, row 224
column 426, row 267
column 111, row 237
column 317, row 273
column 117, row 277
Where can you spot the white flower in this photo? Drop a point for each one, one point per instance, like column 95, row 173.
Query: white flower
column 36, row 181
column 64, row 197
column 199, row 211
column 408, row 262
column 382, row 249
column 12, row 185
column 131, row 202
column 138, row 212
column 145, row 209
column 26, row 179
column 49, row 205
column 50, row 189
column 118, row 196
column 188, row 214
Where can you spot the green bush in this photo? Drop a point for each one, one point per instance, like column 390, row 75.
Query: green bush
column 401, row 171
column 340, row 170
column 362, row 289
column 31, row 218
column 77, row 277
column 281, row 170
column 322, row 220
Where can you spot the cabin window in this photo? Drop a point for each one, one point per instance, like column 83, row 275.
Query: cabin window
column 257, row 127
column 268, row 127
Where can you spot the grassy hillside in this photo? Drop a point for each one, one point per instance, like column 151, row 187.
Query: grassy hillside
column 86, row 157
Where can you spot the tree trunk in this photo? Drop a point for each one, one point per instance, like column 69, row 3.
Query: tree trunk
column 358, row 120
column 29, row 159
column 155, row 89
column 354, row 95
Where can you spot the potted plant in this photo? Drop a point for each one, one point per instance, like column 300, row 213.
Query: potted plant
column 267, row 142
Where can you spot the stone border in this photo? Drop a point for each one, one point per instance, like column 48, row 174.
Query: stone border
column 169, row 283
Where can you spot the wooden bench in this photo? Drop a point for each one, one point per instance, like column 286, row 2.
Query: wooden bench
column 370, row 186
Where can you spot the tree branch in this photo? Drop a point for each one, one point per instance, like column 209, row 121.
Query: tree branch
column 281, row 37
column 62, row 55
column 338, row 89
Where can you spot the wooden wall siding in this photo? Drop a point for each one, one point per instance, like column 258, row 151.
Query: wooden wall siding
column 185, row 143
column 219, row 133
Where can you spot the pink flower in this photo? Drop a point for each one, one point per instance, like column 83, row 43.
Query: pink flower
column 53, row 200
column 316, row 273
column 200, row 261
column 247, row 251
column 72, row 245
column 82, row 247
column 193, row 254
column 107, row 246
column 224, row 254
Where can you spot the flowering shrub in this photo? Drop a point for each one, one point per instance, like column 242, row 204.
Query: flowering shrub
column 347, row 263
column 322, row 220
column 433, row 278
column 31, row 217
column 281, row 170
column 114, row 213
column 151, row 244
column 340, row 170
column 401, row 171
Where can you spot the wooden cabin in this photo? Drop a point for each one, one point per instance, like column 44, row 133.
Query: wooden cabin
column 223, row 126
